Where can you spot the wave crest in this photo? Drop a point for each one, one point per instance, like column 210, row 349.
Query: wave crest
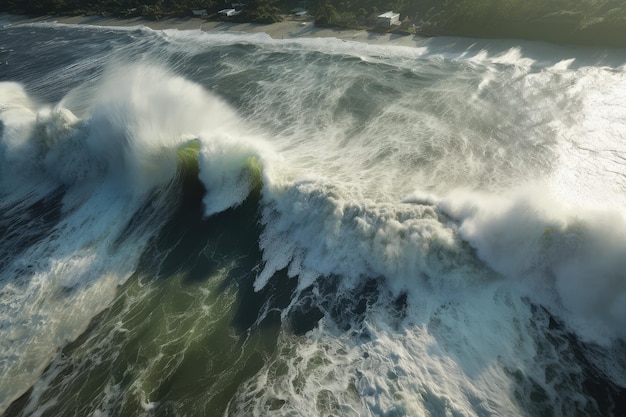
column 573, row 256
column 140, row 117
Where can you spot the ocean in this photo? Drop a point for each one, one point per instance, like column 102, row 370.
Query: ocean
column 225, row 224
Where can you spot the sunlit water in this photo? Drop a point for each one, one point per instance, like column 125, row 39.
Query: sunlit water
column 225, row 224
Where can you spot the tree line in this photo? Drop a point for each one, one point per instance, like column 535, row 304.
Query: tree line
column 600, row 22
column 566, row 21
column 152, row 9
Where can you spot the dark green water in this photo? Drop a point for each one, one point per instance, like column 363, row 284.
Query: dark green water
column 211, row 224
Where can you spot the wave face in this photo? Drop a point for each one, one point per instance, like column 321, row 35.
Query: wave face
column 225, row 224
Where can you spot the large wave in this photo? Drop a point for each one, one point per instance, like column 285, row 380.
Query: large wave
column 445, row 301
column 99, row 173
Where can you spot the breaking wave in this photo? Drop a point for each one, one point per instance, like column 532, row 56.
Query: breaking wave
column 314, row 236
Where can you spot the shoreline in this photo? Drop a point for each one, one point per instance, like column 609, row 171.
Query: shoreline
column 598, row 34
column 289, row 28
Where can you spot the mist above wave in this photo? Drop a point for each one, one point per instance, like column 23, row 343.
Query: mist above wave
column 358, row 155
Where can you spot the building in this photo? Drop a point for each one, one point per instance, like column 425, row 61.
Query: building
column 300, row 12
column 199, row 12
column 388, row 19
column 229, row 12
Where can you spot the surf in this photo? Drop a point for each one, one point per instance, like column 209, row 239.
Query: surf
column 314, row 225
column 146, row 127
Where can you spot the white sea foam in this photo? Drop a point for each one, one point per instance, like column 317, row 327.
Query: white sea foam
column 141, row 117
column 470, row 326
column 591, row 170
column 17, row 115
column 473, row 262
column 126, row 148
column 536, row 239
column 51, row 291
column 477, row 267
column 482, row 353
column 230, row 166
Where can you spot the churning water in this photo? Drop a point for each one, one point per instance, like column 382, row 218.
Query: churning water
column 202, row 224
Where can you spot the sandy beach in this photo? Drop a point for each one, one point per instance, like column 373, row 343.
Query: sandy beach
column 290, row 27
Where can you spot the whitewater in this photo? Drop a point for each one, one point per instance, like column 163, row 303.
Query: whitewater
column 214, row 223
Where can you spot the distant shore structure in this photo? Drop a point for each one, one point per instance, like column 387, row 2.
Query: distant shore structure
column 229, row 12
column 388, row 19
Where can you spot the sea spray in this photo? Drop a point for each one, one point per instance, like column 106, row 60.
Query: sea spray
column 57, row 285
column 411, row 245
column 577, row 254
column 17, row 116
column 109, row 165
column 141, row 117
column 337, row 268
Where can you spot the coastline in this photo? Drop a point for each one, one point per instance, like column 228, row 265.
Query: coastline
column 288, row 28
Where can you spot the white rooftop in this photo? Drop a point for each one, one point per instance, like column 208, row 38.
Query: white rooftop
column 388, row 15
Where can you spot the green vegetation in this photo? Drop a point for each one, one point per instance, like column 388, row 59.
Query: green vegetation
column 563, row 21
column 254, row 11
column 600, row 22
